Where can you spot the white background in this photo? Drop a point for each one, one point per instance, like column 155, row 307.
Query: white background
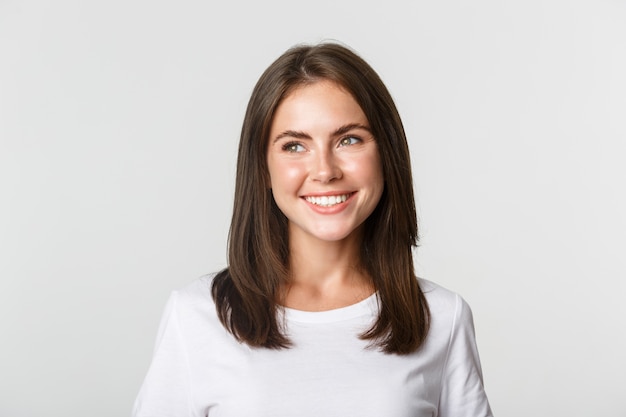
column 119, row 123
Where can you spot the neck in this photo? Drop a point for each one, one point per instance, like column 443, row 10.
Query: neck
column 325, row 275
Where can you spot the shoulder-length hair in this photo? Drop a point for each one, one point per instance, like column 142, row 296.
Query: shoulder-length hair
column 246, row 293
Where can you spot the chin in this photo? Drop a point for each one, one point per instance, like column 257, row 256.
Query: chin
column 333, row 235
column 332, row 238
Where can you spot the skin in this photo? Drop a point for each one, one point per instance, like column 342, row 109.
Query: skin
column 320, row 146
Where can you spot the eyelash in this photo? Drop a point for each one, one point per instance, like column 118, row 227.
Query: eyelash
column 290, row 146
column 356, row 138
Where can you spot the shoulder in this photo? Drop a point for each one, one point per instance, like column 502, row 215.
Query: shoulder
column 439, row 297
column 452, row 338
column 447, row 308
column 194, row 300
column 192, row 315
column 197, row 291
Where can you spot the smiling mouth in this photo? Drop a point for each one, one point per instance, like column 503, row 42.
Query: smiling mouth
column 328, row 200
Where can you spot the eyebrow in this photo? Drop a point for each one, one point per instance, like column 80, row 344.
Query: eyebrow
column 340, row 131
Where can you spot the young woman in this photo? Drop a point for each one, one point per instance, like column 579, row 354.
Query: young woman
column 319, row 312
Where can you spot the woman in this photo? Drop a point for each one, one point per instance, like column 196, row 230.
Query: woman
column 319, row 312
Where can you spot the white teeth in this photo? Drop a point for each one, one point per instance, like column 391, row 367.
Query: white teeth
column 327, row 201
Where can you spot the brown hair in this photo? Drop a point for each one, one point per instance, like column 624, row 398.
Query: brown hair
column 246, row 292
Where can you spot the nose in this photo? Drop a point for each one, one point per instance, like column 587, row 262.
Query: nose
column 325, row 167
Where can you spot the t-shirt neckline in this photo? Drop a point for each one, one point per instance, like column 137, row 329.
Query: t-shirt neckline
column 365, row 307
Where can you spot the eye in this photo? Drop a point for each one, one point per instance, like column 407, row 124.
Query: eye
column 349, row 140
column 293, row 147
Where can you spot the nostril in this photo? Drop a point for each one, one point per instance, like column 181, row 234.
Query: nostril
column 326, row 170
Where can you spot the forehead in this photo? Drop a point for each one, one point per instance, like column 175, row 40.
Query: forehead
column 317, row 105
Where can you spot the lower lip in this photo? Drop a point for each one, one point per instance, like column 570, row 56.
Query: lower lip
column 332, row 209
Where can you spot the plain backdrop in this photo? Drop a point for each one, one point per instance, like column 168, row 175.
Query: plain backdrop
column 119, row 123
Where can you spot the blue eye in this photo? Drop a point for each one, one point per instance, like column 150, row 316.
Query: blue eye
column 293, row 147
column 349, row 140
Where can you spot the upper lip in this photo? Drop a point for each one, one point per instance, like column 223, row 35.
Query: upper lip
column 327, row 193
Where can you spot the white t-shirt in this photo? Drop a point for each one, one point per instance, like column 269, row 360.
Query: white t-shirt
column 199, row 369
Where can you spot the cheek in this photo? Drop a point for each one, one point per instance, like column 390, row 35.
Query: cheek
column 285, row 175
column 368, row 168
column 376, row 168
column 372, row 172
column 375, row 171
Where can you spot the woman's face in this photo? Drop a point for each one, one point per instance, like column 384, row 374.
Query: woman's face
column 324, row 167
